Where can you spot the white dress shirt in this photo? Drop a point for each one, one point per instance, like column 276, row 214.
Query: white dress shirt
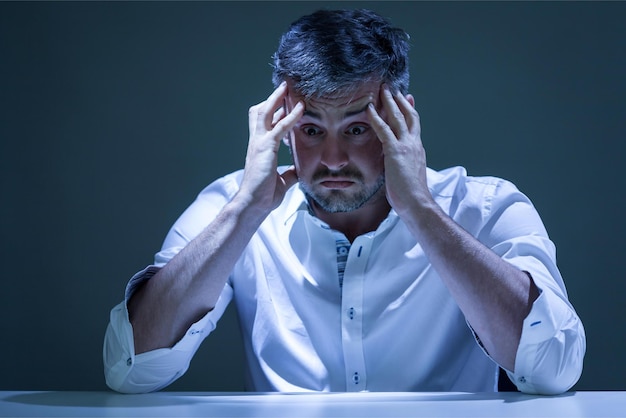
column 391, row 326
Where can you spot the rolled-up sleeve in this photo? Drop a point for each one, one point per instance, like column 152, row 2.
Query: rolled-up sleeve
column 550, row 354
column 552, row 347
column 153, row 370
column 130, row 373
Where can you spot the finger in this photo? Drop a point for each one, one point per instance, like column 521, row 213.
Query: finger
column 383, row 131
column 285, row 124
column 278, row 115
column 271, row 105
column 395, row 116
column 253, row 117
column 261, row 116
column 411, row 116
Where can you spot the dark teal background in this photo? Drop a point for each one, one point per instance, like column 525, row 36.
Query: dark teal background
column 114, row 115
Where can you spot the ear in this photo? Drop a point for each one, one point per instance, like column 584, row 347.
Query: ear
column 287, row 140
column 410, row 99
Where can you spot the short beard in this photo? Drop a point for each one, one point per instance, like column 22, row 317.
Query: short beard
column 336, row 201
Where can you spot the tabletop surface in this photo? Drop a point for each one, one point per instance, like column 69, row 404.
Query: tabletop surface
column 373, row 404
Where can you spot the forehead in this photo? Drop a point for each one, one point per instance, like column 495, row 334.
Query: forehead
column 359, row 97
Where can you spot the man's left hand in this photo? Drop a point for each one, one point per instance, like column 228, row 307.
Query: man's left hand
column 405, row 158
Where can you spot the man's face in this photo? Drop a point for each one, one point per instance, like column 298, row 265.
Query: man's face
column 337, row 155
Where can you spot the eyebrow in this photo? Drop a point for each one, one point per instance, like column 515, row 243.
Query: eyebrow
column 317, row 116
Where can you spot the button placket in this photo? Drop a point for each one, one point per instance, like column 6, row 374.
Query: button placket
column 352, row 317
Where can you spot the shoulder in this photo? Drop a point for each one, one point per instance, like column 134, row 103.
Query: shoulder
column 454, row 182
column 473, row 200
column 205, row 207
column 226, row 186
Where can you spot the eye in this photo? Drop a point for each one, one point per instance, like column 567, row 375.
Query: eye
column 310, row 130
column 357, row 130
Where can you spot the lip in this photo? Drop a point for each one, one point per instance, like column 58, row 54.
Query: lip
column 336, row 183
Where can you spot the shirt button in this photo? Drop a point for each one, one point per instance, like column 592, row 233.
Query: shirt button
column 129, row 361
column 351, row 313
column 522, row 379
column 356, row 378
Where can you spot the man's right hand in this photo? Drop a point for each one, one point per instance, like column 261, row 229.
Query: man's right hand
column 262, row 187
column 189, row 285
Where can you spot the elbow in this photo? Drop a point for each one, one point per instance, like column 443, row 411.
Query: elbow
column 557, row 365
column 125, row 372
column 550, row 386
column 120, row 377
column 126, row 377
column 128, row 385
column 121, row 385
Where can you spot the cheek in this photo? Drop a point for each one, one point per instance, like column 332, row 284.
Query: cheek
column 375, row 153
column 369, row 157
column 374, row 148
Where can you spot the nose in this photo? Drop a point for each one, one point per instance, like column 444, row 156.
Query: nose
column 334, row 156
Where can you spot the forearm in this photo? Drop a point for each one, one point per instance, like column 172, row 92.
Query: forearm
column 494, row 296
column 187, row 287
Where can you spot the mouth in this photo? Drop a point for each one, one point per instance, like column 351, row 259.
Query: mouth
column 336, row 183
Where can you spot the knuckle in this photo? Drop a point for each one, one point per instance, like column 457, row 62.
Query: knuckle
column 256, row 108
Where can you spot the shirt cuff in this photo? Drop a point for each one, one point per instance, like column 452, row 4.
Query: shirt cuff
column 146, row 372
column 552, row 346
column 138, row 279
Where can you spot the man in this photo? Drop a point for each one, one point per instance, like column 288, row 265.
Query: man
column 358, row 268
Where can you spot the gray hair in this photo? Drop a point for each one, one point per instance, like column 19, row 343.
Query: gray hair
column 334, row 51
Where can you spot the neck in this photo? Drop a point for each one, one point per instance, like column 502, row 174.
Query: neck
column 357, row 222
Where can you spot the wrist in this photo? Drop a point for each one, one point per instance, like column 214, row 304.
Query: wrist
column 422, row 215
column 247, row 208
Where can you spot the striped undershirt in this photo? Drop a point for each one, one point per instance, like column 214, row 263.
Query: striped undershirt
column 343, row 248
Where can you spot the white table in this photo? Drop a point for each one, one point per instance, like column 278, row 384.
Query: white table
column 212, row 404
